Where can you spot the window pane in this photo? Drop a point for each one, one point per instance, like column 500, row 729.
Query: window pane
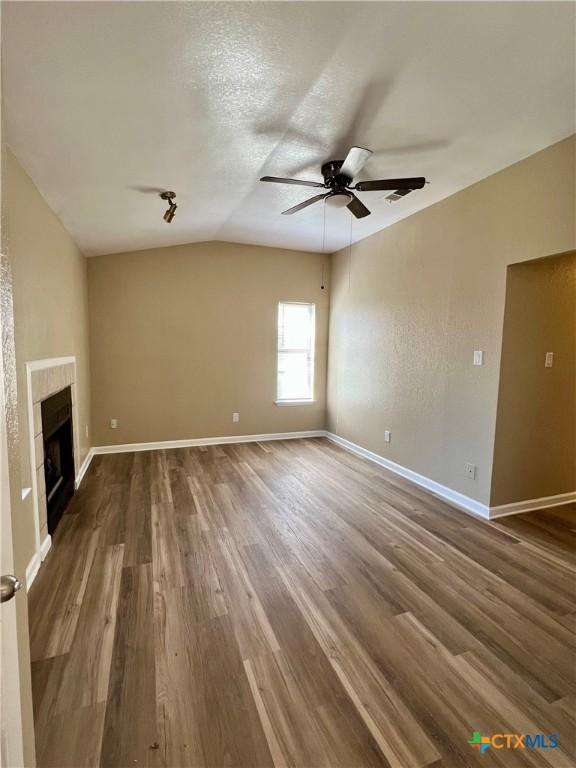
column 294, row 376
column 294, row 327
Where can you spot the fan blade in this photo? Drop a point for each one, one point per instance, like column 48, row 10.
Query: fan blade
column 391, row 184
column 358, row 208
column 354, row 162
column 305, row 204
column 300, row 182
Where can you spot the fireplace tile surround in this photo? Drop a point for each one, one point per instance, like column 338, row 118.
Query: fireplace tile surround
column 44, row 379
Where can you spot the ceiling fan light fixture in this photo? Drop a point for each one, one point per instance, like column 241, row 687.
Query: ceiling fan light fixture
column 338, row 199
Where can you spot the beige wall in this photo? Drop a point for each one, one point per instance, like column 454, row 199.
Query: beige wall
column 413, row 302
column 535, row 449
column 182, row 337
column 50, row 318
column 46, row 304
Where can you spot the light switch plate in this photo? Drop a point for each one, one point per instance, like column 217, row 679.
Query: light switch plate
column 478, row 357
column 549, row 360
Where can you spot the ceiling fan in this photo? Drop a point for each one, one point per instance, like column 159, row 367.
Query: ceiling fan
column 338, row 177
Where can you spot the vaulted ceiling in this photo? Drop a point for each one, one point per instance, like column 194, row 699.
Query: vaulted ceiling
column 106, row 104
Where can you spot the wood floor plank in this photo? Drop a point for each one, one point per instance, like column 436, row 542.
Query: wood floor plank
column 87, row 674
column 250, row 623
column 390, row 722
column 47, row 677
column 168, row 566
column 182, row 499
column 296, row 731
column 228, row 720
column 176, row 688
column 55, row 605
column 130, row 727
column 205, row 592
column 138, row 525
column 291, row 604
column 74, row 739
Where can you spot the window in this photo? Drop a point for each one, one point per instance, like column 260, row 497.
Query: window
column 296, row 331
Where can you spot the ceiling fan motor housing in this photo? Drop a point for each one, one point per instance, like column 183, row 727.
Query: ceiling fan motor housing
column 332, row 176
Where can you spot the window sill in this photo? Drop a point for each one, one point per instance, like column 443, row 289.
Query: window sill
column 294, row 402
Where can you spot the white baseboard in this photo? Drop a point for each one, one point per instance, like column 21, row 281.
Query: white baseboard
column 83, row 468
column 32, row 569
column 36, row 561
column 45, row 547
column 200, row 441
column 453, row 497
column 532, row 505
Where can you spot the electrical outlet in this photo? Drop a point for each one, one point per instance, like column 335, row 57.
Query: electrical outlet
column 235, row 417
column 86, row 430
column 478, row 357
column 113, row 423
column 549, row 360
column 387, row 435
column 471, row 471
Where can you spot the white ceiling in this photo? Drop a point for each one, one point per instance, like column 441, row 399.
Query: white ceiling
column 106, row 103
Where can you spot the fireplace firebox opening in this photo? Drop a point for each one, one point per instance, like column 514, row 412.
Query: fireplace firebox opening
column 58, row 454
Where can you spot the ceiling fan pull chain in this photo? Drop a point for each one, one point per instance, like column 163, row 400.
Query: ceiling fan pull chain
column 350, row 253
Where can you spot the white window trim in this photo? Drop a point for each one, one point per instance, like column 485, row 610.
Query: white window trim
column 311, row 401
column 303, row 401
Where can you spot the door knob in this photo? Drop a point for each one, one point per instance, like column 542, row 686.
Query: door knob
column 8, row 588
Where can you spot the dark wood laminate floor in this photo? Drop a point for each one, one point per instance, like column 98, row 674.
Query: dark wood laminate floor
column 291, row 604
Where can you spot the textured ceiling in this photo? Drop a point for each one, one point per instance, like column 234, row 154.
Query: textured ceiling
column 106, row 103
